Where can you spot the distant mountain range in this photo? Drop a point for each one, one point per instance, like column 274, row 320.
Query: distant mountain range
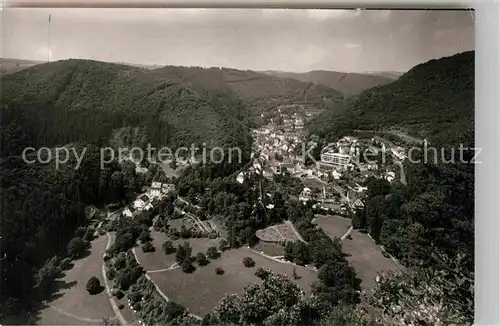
column 388, row 74
column 9, row 65
column 350, row 84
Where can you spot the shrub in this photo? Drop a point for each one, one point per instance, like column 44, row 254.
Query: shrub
column 213, row 253
column 135, row 297
column 137, row 306
column 148, row 247
column 145, row 236
column 168, row 247
column 223, row 245
column 219, row 271
column 121, row 306
column 248, row 262
column 89, row 234
column 261, row 273
column 76, row 247
column 119, row 294
column 202, row 259
column 94, row 285
column 187, row 266
column 106, row 257
column 111, row 273
column 66, row 264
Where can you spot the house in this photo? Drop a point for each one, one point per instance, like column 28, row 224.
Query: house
column 399, row 153
column 240, row 178
column 155, row 189
column 336, row 175
column 305, row 195
column 141, row 202
column 390, row 176
column 335, row 159
column 167, row 187
column 127, row 212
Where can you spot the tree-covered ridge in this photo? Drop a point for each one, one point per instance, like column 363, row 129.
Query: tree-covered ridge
column 261, row 91
column 433, row 100
column 350, row 84
column 86, row 101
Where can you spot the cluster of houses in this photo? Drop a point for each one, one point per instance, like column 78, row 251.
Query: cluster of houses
column 146, row 201
column 275, row 151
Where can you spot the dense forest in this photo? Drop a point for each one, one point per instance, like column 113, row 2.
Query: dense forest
column 434, row 100
column 88, row 104
column 88, row 101
column 428, row 224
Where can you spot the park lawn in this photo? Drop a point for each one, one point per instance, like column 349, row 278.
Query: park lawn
column 333, row 226
column 158, row 260
column 270, row 249
column 49, row 316
column 286, row 232
column 268, row 234
column 179, row 222
column 366, row 258
column 73, row 301
column 202, row 290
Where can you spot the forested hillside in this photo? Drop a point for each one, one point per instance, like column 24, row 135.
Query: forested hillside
column 88, row 101
column 433, row 100
column 87, row 104
column 349, row 84
column 428, row 224
column 259, row 90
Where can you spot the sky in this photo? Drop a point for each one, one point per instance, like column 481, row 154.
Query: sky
column 295, row 40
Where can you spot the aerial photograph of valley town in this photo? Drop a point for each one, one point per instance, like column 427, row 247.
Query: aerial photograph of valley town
column 236, row 167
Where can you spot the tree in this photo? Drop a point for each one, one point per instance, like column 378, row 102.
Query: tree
column 76, row 247
column 183, row 252
column 276, row 297
column 212, row 253
column 223, row 245
column 168, row 247
column 187, row 266
column 262, row 273
column 145, row 236
column 202, row 259
column 248, row 262
column 46, row 276
column 442, row 294
column 94, row 285
column 148, row 247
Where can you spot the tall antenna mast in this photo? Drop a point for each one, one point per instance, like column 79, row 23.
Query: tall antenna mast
column 48, row 48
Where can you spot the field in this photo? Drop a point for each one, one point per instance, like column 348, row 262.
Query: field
column 333, row 226
column 179, row 222
column 366, row 258
column 271, row 249
column 158, row 260
column 203, row 289
column 277, row 233
column 73, row 305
